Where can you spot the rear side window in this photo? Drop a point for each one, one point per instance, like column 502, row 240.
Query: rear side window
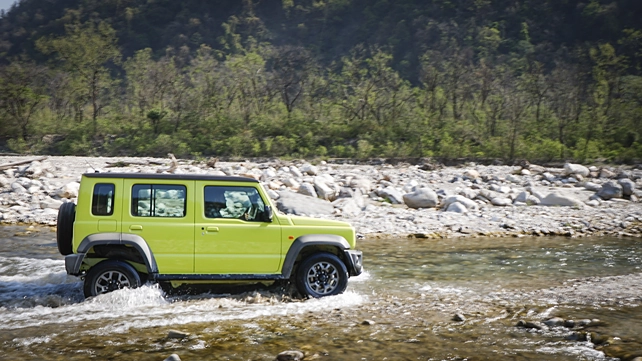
column 158, row 200
column 102, row 202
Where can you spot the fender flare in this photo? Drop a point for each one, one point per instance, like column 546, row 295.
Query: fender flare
column 74, row 261
column 311, row 240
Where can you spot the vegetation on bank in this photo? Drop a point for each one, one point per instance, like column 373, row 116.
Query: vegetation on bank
column 450, row 79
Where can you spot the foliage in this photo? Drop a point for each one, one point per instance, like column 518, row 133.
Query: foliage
column 345, row 78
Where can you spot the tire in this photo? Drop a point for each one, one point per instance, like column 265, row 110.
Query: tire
column 65, row 228
column 320, row 275
column 108, row 276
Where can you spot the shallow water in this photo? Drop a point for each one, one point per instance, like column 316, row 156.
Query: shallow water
column 401, row 308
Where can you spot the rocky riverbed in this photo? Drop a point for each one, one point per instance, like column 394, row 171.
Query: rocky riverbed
column 423, row 201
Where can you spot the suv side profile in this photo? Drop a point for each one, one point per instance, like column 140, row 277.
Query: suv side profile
column 130, row 228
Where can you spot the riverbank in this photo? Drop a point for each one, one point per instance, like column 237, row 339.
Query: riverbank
column 380, row 201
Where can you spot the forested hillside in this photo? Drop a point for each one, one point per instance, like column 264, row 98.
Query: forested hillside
column 509, row 79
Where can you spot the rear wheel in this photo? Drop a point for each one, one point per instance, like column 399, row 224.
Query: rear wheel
column 322, row 274
column 108, row 276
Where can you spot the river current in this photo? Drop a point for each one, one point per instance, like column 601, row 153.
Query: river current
column 457, row 299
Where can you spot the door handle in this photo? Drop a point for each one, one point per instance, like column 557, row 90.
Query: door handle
column 135, row 227
column 212, row 229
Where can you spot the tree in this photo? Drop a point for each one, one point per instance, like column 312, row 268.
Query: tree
column 22, row 93
column 85, row 51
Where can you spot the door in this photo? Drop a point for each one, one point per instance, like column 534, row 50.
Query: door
column 162, row 213
column 232, row 233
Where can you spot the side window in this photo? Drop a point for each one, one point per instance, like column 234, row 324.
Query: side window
column 234, row 202
column 158, row 200
column 102, row 202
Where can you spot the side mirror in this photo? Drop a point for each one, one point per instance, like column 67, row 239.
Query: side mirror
column 268, row 213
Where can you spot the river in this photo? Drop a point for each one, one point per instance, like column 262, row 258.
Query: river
column 402, row 307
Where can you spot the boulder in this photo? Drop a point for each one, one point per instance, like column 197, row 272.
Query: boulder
column 570, row 169
column 471, row 174
column 610, row 190
column 522, row 197
column 69, row 190
column 393, row 194
column 456, row 207
column 501, row 201
column 348, row 206
column 299, row 204
column 421, row 198
column 468, row 203
column 605, row 173
column 628, row 186
column 557, row 199
column 50, row 203
column 513, row 178
column 18, row 188
column 292, row 183
column 310, row 169
column 361, row 183
column 593, row 187
column 324, row 190
column 296, row 172
column 4, row 182
column 536, row 169
column 308, row 190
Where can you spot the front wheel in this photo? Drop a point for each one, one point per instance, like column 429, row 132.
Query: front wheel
column 322, row 274
column 108, row 276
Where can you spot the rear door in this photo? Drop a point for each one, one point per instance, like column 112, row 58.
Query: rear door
column 162, row 213
column 232, row 233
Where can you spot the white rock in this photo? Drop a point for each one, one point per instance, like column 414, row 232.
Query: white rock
column 309, row 169
column 69, row 190
column 570, row 169
column 557, row 199
column 268, row 174
column 348, row 206
column 292, row 183
column 323, row 190
column 471, row 174
column 393, row 194
column 18, row 188
column 410, row 186
column 513, row 178
column 308, row 190
column 525, row 172
column 501, row 201
column 296, row 172
column 48, row 212
column 363, row 184
column 456, row 207
column 593, row 203
column 468, row 203
column 522, row 197
column 421, row 198
column 272, row 194
column 593, row 187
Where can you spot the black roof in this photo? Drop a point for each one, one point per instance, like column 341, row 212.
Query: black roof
column 204, row 177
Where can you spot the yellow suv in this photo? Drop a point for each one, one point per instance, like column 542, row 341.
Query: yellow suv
column 130, row 228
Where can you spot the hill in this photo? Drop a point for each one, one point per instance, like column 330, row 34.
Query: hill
column 357, row 78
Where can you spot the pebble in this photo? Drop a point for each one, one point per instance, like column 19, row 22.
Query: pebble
column 290, row 356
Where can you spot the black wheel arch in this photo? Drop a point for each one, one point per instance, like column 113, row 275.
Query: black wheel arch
column 106, row 242
column 310, row 244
